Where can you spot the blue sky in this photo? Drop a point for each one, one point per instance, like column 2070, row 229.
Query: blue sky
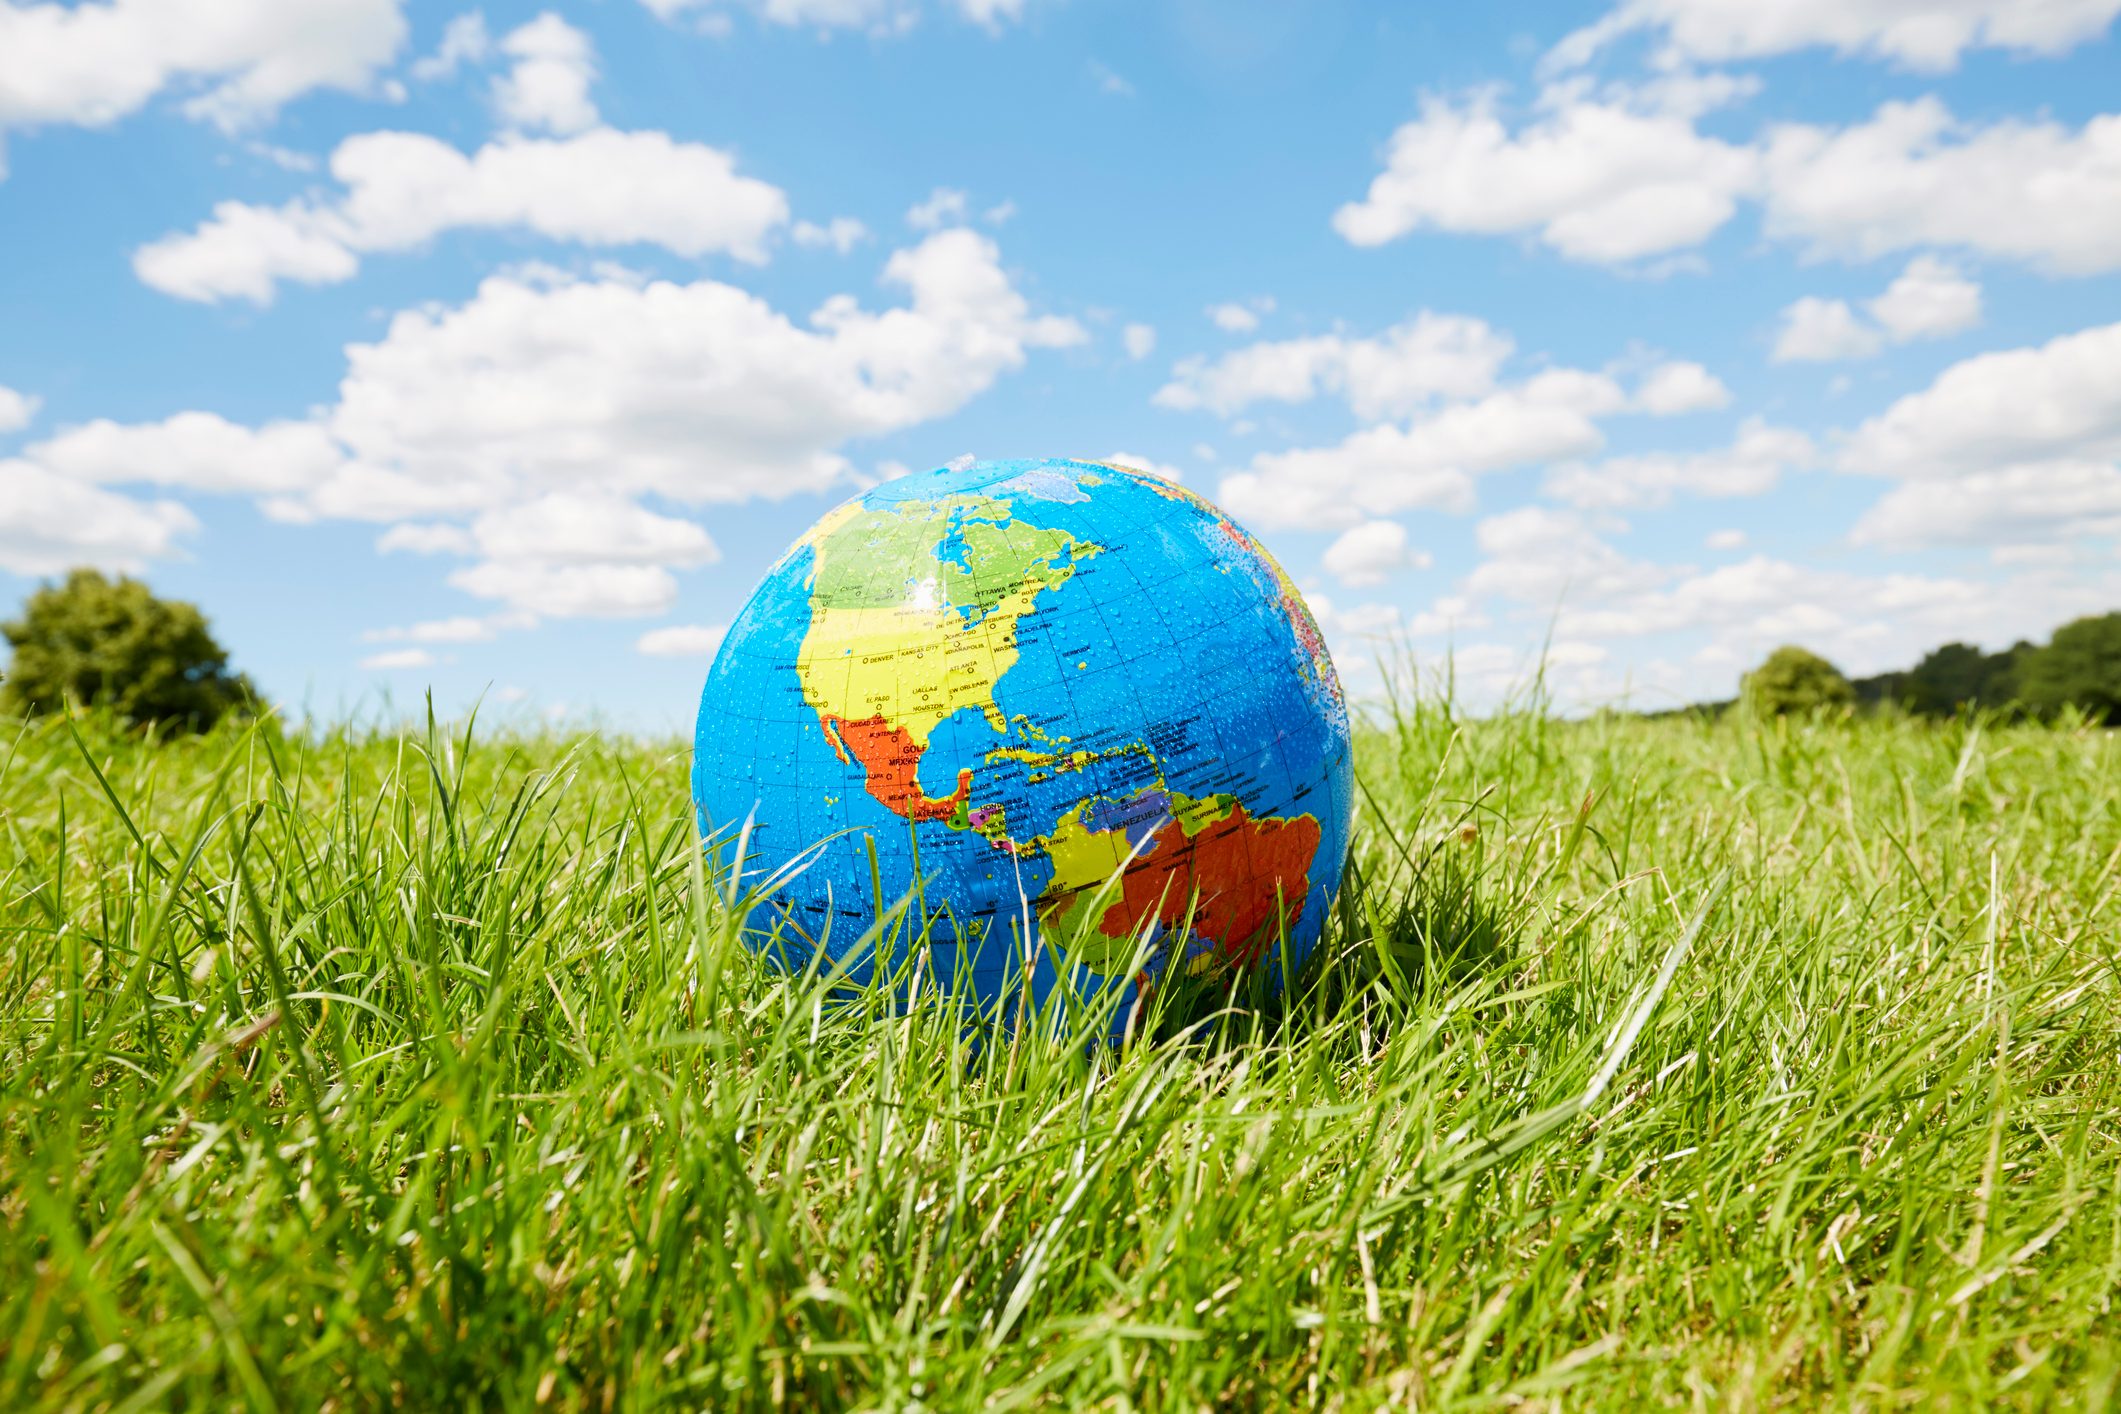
column 501, row 350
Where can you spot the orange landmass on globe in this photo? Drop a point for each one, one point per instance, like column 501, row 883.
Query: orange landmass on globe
column 1243, row 873
column 891, row 761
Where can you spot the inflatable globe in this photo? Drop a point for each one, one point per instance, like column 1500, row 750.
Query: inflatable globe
column 1071, row 714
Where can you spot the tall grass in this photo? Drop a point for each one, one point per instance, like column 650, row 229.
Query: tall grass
column 1677, row 1063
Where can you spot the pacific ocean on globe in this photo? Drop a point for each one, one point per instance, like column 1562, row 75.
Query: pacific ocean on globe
column 1070, row 714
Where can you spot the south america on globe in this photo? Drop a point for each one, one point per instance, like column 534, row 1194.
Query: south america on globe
column 1073, row 709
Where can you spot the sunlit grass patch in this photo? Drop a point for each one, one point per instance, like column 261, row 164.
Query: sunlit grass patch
column 1663, row 1063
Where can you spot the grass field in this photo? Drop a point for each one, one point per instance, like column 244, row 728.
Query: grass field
column 1646, row 1064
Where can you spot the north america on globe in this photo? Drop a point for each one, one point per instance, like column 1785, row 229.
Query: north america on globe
column 1062, row 702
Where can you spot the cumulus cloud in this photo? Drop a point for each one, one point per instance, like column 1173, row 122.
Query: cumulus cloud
column 199, row 451
column 1679, row 387
column 1752, row 465
column 682, row 640
column 1139, row 340
column 1816, row 330
column 523, row 428
column 945, row 206
column 49, row 523
column 1617, row 174
column 881, row 17
column 1414, row 363
column 1929, row 300
column 1240, row 317
column 397, row 660
column 841, row 234
column 461, row 628
column 565, row 591
column 1913, row 177
column 1598, row 177
column 1372, row 552
column 546, row 89
column 2014, row 446
column 465, row 40
column 598, row 188
column 92, row 64
column 2059, row 401
column 1543, row 556
column 1914, row 34
column 1430, row 462
column 17, row 410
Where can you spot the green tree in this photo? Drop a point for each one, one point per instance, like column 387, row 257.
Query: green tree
column 1961, row 675
column 1795, row 680
column 97, row 640
column 2079, row 667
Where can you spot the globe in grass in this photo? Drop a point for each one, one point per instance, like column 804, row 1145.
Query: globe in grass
column 1073, row 715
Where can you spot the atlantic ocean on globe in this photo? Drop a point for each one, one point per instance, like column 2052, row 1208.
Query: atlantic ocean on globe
column 1072, row 711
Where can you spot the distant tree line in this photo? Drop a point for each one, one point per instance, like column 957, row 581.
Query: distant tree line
column 2079, row 667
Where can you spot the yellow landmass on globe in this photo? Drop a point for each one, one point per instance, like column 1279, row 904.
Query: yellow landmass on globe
column 914, row 617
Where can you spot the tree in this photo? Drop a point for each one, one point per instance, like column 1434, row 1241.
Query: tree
column 2079, row 667
column 96, row 640
column 1961, row 675
column 1795, row 680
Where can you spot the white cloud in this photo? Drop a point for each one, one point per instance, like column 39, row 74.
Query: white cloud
column 1141, row 463
column 1604, row 178
column 1912, row 177
column 699, row 392
column 1680, row 387
column 2019, row 506
column 682, row 641
column 1429, row 463
column 881, row 17
column 50, row 523
column 945, row 206
column 1915, row 34
column 461, row 629
column 602, row 187
column 1725, row 540
column 1413, row 363
column 990, row 12
column 545, row 407
column 1540, row 556
column 1233, row 317
column 2019, row 446
column 1139, row 339
column 196, row 450
column 92, row 64
column 464, row 41
column 398, row 660
column 1108, row 81
column 2058, row 402
column 841, row 234
column 416, row 538
column 1752, row 465
column 1930, row 300
column 17, row 410
column 243, row 252
column 1622, row 173
column 547, row 88
column 573, row 528
column 1816, row 330
column 565, row 591
column 1370, row 553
